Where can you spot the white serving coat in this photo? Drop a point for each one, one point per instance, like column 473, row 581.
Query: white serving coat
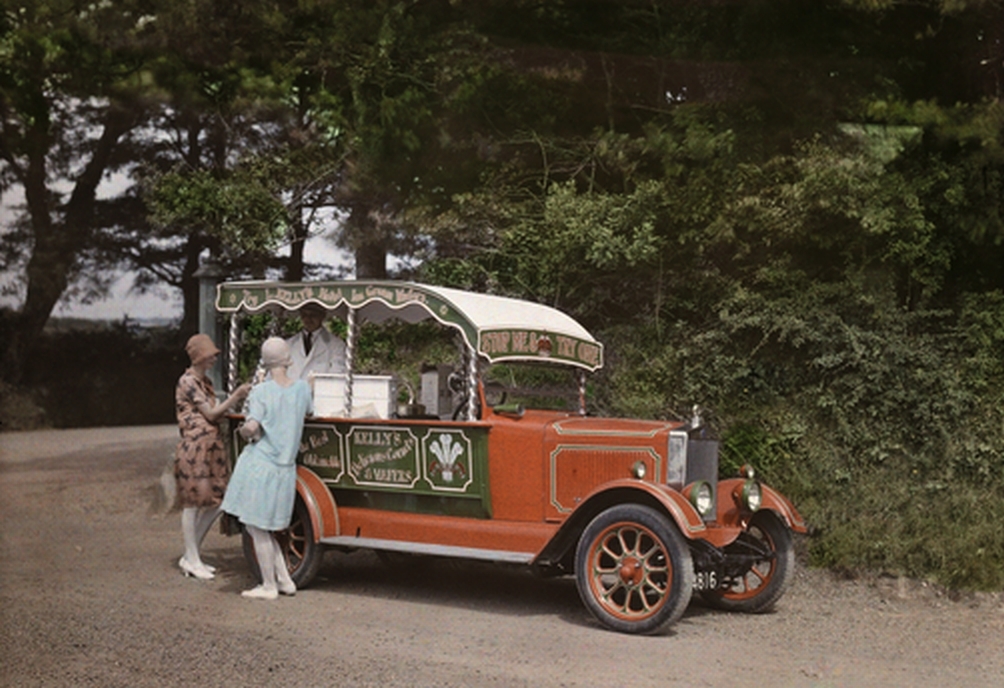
column 327, row 354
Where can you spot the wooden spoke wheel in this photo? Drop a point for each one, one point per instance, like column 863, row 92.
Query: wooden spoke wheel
column 766, row 579
column 633, row 569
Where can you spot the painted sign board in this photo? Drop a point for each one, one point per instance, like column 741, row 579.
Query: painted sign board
column 420, row 459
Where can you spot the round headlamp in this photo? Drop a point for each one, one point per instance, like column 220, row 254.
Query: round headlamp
column 638, row 469
column 750, row 496
column 702, row 497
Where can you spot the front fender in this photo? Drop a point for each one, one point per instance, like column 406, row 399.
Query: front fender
column 672, row 502
column 776, row 501
column 320, row 504
column 730, row 516
column 624, row 491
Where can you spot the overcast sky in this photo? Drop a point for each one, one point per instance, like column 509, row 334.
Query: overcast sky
column 166, row 302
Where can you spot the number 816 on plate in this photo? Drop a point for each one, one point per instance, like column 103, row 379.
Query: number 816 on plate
column 707, row 580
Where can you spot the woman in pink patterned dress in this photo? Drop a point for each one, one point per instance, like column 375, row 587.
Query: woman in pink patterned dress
column 201, row 468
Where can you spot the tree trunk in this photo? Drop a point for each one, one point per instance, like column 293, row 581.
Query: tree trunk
column 371, row 261
column 298, row 240
column 369, row 242
column 46, row 270
column 56, row 243
column 190, row 288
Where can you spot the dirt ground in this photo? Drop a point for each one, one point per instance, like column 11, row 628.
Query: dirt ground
column 90, row 595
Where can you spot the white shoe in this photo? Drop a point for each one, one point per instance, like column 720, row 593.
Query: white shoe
column 287, row 588
column 197, row 571
column 260, row 592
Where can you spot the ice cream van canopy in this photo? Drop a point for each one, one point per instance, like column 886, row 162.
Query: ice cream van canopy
column 499, row 328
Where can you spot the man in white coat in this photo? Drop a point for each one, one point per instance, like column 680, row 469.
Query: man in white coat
column 314, row 349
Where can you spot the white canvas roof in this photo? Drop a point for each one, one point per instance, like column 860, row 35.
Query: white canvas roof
column 497, row 327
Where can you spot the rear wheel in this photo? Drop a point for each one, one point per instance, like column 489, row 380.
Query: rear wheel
column 303, row 555
column 760, row 586
column 634, row 570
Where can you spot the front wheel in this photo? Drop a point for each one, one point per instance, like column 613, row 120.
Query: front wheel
column 303, row 555
column 633, row 570
column 761, row 583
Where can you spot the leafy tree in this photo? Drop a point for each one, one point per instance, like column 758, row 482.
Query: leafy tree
column 79, row 79
column 220, row 171
column 70, row 93
column 384, row 75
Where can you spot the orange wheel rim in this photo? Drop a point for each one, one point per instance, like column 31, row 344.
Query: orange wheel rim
column 758, row 577
column 297, row 542
column 629, row 572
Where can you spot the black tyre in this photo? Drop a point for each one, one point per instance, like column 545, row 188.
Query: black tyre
column 634, row 570
column 760, row 587
column 303, row 555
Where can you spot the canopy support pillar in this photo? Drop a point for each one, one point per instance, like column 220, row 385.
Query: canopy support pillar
column 350, row 351
column 233, row 333
column 472, row 384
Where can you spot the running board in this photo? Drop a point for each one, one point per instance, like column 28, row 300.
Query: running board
column 433, row 550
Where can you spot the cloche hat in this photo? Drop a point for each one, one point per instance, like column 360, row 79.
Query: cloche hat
column 200, row 347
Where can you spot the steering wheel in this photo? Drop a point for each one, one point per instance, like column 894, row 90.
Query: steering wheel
column 460, row 412
column 492, row 388
column 495, row 392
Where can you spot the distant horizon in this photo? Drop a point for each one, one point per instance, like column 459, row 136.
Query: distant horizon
column 120, row 304
column 161, row 302
column 60, row 320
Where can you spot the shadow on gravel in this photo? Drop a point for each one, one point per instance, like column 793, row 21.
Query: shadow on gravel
column 463, row 584
column 231, row 568
column 505, row 590
column 497, row 588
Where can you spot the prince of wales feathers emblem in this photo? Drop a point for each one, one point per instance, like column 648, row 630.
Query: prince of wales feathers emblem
column 447, row 452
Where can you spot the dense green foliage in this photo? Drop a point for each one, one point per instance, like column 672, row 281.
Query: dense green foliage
column 818, row 311
column 834, row 300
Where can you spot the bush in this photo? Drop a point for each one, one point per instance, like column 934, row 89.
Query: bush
column 19, row 410
column 94, row 374
column 885, row 428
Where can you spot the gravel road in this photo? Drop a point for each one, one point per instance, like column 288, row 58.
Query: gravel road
column 90, row 595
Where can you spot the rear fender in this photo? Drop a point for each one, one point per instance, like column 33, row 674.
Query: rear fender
column 320, row 504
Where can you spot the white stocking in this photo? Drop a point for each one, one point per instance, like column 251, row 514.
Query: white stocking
column 189, row 516
column 265, row 549
column 286, row 584
column 206, row 517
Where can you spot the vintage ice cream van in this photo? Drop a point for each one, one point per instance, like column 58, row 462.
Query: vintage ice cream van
column 465, row 467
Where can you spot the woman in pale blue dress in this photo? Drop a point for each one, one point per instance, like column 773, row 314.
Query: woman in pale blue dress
column 263, row 486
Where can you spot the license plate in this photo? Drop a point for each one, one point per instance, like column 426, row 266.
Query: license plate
column 707, row 580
